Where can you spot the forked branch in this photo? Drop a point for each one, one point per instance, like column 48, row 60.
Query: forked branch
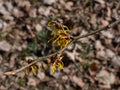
column 74, row 39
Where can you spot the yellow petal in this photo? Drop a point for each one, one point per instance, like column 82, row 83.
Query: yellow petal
column 34, row 69
column 66, row 28
column 55, row 40
column 51, row 23
column 61, row 65
column 53, row 68
column 27, row 70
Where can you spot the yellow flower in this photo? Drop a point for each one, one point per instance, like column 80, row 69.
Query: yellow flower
column 57, row 63
column 54, row 68
column 61, row 65
column 51, row 23
column 33, row 68
column 60, row 37
column 60, row 34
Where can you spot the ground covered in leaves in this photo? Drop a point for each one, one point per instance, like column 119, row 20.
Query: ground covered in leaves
column 92, row 63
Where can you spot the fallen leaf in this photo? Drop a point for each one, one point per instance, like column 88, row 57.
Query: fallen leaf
column 78, row 81
column 5, row 46
column 116, row 61
column 100, row 1
column 108, row 34
column 32, row 81
column 105, row 78
column 1, row 23
column 94, row 67
column 49, row 2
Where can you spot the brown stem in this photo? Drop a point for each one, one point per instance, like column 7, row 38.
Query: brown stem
column 98, row 30
column 74, row 39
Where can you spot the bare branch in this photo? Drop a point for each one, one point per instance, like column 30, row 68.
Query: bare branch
column 98, row 30
column 74, row 39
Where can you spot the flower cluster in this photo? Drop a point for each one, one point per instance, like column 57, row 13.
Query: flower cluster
column 60, row 34
column 33, row 68
column 60, row 37
column 57, row 63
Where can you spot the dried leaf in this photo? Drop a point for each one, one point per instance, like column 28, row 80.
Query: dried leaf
column 78, row 81
column 5, row 46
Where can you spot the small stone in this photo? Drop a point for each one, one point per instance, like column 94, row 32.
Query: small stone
column 116, row 61
column 1, row 58
column 17, row 13
column 100, row 1
column 32, row 82
column 104, row 22
column 70, row 55
column 1, row 24
column 3, row 9
column 33, row 12
column 41, row 75
column 49, row 2
column 109, row 12
column 38, row 27
column 69, row 5
column 98, row 45
column 8, row 17
column 9, row 6
column 70, row 47
column 107, row 34
column 24, row 3
column 44, row 11
column 2, row 87
column 93, row 19
column 117, row 39
column 105, row 78
column 65, row 77
column 109, row 53
column 5, row 46
column 78, row 81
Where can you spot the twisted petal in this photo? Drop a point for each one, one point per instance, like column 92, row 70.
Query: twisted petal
column 51, row 23
column 27, row 70
column 54, row 68
column 34, row 69
column 61, row 65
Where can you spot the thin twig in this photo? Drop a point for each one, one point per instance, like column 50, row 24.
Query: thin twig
column 35, row 61
column 74, row 39
column 98, row 30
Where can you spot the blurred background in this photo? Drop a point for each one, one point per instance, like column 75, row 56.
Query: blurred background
column 92, row 63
